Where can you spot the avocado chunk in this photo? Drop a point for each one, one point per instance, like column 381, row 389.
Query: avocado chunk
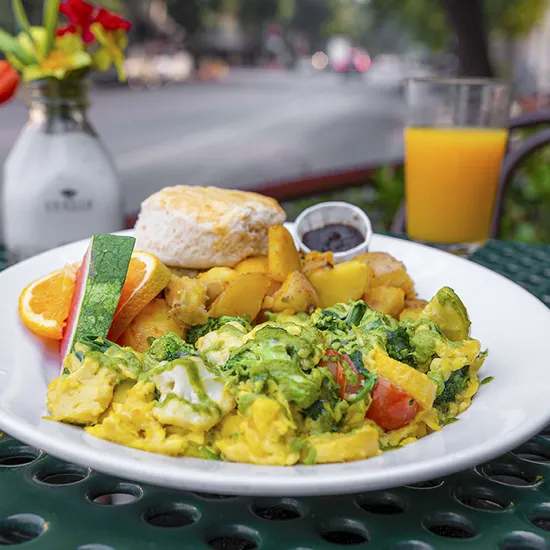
column 448, row 312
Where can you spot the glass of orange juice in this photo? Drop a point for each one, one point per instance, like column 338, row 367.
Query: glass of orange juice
column 455, row 140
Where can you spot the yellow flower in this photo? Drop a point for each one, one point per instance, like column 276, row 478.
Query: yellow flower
column 67, row 55
column 37, row 46
column 111, row 51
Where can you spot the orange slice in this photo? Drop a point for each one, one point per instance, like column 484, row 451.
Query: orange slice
column 147, row 276
column 44, row 304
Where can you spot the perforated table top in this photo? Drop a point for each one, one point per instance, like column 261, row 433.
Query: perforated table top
column 46, row 504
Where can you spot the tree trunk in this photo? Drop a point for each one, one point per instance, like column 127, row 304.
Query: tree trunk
column 467, row 20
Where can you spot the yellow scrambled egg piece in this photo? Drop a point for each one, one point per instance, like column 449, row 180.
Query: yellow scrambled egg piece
column 414, row 382
column 131, row 422
column 424, row 423
column 337, row 447
column 82, row 396
column 262, row 435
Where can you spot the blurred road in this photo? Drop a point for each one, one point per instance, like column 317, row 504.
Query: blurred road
column 255, row 127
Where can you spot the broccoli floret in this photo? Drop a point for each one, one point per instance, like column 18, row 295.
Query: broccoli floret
column 330, row 320
column 198, row 331
column 454, row 385
column 170, row 346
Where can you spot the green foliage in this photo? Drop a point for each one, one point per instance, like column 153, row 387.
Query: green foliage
column 379, row 196
column 515, row 18
column 426, row 21
column 50, row 21
column 526, row 205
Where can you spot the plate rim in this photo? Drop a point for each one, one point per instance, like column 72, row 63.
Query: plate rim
column 191, row 479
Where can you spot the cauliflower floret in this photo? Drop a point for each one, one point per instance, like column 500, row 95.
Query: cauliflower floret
column 216, row 346
column 82, row 396
column 191, row 395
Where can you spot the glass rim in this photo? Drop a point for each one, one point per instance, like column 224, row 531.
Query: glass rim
column 456, row 81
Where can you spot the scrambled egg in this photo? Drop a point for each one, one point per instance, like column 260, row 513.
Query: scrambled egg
column 131, row 422
column 82, row 396
column 356, row 445
column 292, row 390
column 261, row 435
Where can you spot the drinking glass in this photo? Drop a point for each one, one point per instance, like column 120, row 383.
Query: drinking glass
column 455, row 140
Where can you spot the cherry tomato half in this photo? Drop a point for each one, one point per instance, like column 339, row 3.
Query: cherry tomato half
column 9, row 81
column 391, row 407
column 334, row 362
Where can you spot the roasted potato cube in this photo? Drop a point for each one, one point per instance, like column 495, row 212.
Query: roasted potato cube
column 410, row 314
column 415, row 303
column 216, row 280
column 413, row 309
column 385, row 299
column 154, row 320
column 243, row 297
column 315, row 260
column 187, row 297
column 340, row 283
column 448, row 312
column 387, row 271
column 255, row 264
column 282, row 256
column 296, row 294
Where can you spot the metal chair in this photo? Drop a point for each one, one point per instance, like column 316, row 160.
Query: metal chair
column 514, row 157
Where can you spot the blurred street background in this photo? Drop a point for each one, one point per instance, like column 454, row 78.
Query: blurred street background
column 268, row 94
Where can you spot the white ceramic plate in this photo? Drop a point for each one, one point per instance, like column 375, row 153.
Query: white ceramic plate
column 507, row 319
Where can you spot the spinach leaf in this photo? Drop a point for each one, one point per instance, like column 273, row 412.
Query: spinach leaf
column 399, row 346
column 454, row 385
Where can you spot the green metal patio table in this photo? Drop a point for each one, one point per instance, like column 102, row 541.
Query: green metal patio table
column 46, row 504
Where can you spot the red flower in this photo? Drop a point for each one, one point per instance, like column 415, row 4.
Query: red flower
column 82, row 15
column 112, row 22
column 9, row 81
column 67, row 29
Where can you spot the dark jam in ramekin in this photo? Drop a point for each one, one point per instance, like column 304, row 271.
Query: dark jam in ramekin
column 335, row 237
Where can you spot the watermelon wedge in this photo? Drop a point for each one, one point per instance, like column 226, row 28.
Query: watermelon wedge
column 99, row 282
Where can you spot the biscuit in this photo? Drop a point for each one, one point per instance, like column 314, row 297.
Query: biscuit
column 203, row 227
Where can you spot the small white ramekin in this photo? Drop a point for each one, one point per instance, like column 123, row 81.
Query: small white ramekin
column 327, row 213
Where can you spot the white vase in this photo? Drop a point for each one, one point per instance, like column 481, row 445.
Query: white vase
column 60, row 184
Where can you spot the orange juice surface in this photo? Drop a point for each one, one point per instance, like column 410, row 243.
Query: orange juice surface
column 451, row 182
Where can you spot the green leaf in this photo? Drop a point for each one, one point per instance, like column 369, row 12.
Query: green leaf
column 21, row 17
column 208, row 453
column 51, row 19
column 486, row 380
column 9, row 45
